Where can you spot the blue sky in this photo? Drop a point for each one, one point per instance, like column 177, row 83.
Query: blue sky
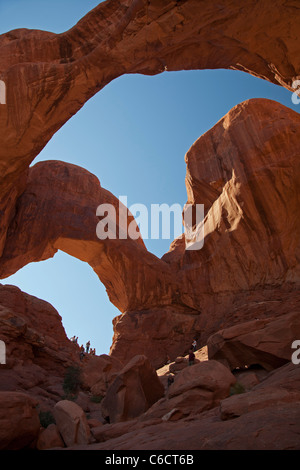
column 133, row 136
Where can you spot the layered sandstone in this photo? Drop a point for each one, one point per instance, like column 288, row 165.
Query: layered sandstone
column 39, row 353
column 248, row 247
column 49, row 76
column 245, row 171
column 242, row 286
column 19, row 421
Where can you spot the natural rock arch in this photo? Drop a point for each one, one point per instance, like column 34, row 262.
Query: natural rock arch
column 54, row 80
column 50, row 76
column 249, row 246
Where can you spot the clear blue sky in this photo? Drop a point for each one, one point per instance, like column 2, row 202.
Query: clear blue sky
column 133, row 136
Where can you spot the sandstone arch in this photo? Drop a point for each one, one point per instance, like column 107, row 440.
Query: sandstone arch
column 245, row 170
column 49, row 77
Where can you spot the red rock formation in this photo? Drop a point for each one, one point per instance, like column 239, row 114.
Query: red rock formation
column 133, row 391
column 195, row 389
column 38, row 352
column 50, row 76
column 265, row 342
column 245, row 171
column 49, row 438
column 57, row 73
column 71, row 423
column 247, row 421
column 33, row 333
column 58, row 211
column 19, row 421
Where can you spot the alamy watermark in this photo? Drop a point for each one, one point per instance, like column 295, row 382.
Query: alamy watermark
column 2, row 352
column 296, row 354
column 160, row 222
column 2, row 92
column 296, row 95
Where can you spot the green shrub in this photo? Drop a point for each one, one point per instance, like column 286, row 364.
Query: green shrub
column 96, row 398
column 46, row 418
column 72, row 381
column 236, row 389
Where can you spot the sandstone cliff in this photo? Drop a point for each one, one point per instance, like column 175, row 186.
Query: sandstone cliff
column 242, row 285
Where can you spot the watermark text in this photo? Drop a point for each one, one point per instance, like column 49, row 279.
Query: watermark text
column 162, row 221
column 296, row 354
column 2, row 352
column 2, row 92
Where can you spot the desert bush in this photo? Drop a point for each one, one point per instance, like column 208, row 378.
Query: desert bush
column 72, row 382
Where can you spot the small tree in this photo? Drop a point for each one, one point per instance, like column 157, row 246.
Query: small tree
column 46, row 418
column 72, row 382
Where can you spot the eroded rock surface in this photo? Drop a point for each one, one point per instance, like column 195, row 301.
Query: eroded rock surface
column 245, row 171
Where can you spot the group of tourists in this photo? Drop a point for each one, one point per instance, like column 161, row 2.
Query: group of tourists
column 84, row 350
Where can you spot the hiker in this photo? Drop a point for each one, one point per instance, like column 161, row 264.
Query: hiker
column 81, row 354
column 170, row 380
column 194, row 345
column 87, row 346
column 191, row 357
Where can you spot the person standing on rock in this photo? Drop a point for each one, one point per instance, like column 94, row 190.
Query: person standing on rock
column 170, row 379
column 87, row 346
column 191, row 357
column 194, row 345
column 81, row 355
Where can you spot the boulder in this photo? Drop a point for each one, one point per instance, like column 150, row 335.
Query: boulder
column 133, row 391
column 49, row 438
column 179, row 364
column 195, row 389
column 243, row 403
column 98, row 373
column 266, row 342
column 209, row 376
column 280, row 387
column 71, row 423
column 19, row 421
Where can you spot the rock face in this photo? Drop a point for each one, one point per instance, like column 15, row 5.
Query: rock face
column 245, row 170
column 250, row 236
column 99, row 372
column 246, row 421
column 195, row 389
column 37, row 348
column 58, row 211
column 264, row 342
column 71, row 423
column 39, row 354
column 134, row 390
column 49, row 438
column 53, row 75
column 238, row 294
column 249, row 248
column 19, row 421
